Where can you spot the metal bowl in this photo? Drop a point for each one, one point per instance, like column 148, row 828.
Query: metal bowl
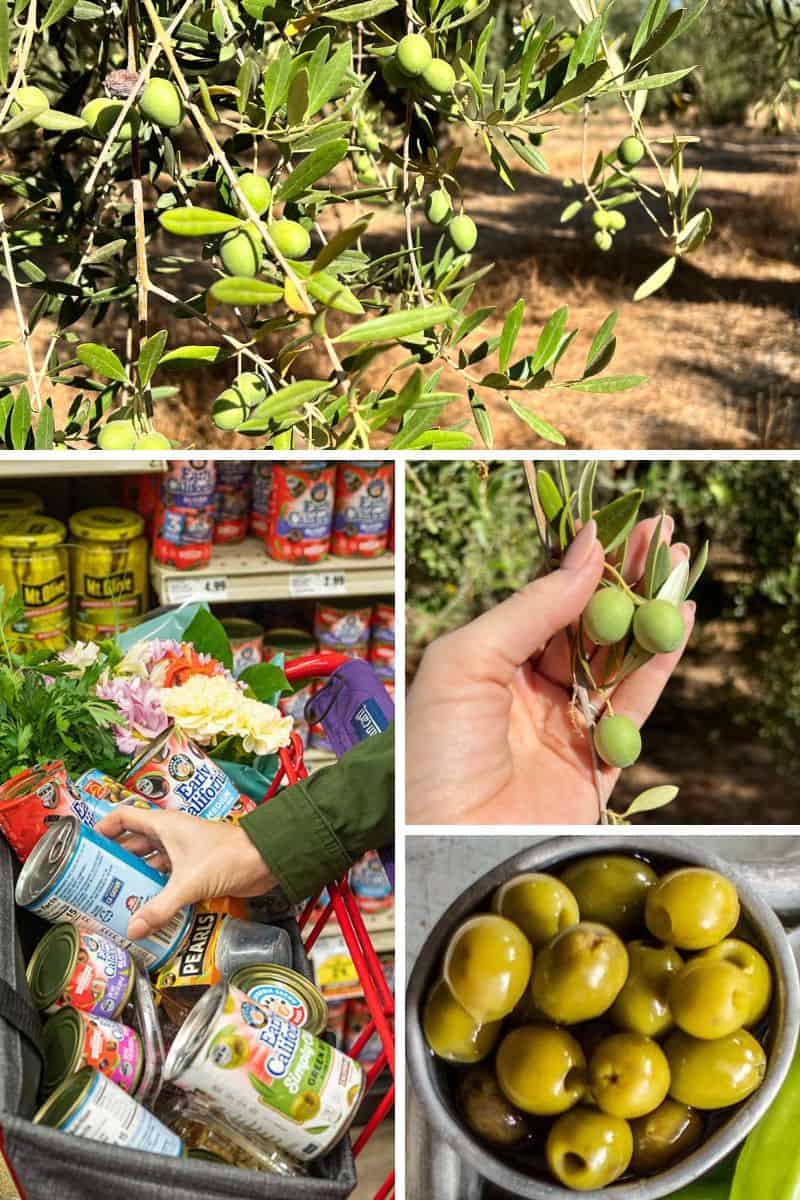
column 428, row 1075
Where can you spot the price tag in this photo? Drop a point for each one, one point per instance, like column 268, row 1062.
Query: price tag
column 197, row 588
column 317, row 583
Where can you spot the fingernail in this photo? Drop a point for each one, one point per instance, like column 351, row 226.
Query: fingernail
column 682, row 548
column 580, row 549
column 137, row 928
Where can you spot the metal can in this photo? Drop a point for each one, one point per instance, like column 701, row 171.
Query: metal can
column 381, row 655
column 76, row 875
column 247, row 643
column 259, row 499
column 110, row 588
column 189, row 483
column 344, row 624
column 183, row 537
column 173, row 773
column 286, row 993
column 264, row 1074
column 231, row 502
column 383, row 623
column 16, row 502
column 370, row 884
column 34, row 565
column 97, row 795
column 300, row 511
column 293, row 643
column 141, row 493
column 362, row 509
column 89, row 1105
column 72, row 1040
column 32, row 802
column 87, row 971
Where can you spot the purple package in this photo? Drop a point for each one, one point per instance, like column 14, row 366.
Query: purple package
column 352, row 706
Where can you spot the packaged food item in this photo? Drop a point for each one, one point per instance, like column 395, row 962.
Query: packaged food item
column 110, row 588
column 247, row 643
column 73, row 874
column 73, row 1040
column 381, row 655
column 286, row 993
column 31, row 802
column 216, row 947
column 88, row 1104
column 370, row 884
column 300, row 511
column 189, row 483
column 264, row 1075
column 259, row 502
column 95, row 795
column 34, row 564
column 293, row 643
column 183, row 537
column 16, row 502
column 174, row 773
column 383, row 623
column 231, row 502
column 317, row 737
column 87, row 971
column 344, row 624
column 337, row 1022
column 212, row 1139
column 362, row 509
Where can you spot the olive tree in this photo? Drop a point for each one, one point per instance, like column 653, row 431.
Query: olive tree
column 283, row 177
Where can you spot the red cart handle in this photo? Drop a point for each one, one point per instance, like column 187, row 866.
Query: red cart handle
column 312, row 666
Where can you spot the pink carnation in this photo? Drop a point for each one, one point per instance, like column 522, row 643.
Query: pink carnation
column 140, row 703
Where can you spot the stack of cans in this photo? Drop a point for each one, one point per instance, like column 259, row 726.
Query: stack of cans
column 381, row 646
column 363, row 509
column 261, row 485
column 231, row 502
column 184, row 522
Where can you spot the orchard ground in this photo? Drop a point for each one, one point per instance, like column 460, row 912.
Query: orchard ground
column 719, row 345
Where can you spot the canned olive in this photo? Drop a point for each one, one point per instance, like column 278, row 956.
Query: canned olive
column 84, row 970
column 34, row 565
column 73, row 1040
column 109, row 572
column 286, row 993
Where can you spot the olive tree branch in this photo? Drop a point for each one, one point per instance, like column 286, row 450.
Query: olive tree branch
column 22, row 324
column 142, row 274
column 23, row 51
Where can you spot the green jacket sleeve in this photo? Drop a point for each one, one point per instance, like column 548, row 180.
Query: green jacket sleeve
column 311, row 833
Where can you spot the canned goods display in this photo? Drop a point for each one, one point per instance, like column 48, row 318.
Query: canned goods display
column 32, row 802
column 110, row 588
column 261, row 485
column 286, row 993
column 183, row 537
column 75, row 875
column 95, row 795
column 173, row 773
column 362, row 509
column 247, row 643
column 231, row 502
column 381, row 655
column 189, row 484
column 73, row 1040
column 294, row 643
column 369, row 883
column 300, row 511
column 88, row 1104
column 383, row 623
column 34, row 565
column 264, row 1074
column 141, row 493
column 347, row 623
column 87, row 971
column 16, row 502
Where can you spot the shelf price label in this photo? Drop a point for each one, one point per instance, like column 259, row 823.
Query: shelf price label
column 317, row 583
column 196, row 588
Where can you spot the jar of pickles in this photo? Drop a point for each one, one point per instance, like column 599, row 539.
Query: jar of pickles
column 109, row 572
column 35, row 566
column 15, row 502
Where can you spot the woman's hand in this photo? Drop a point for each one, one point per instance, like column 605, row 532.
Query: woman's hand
column 492, row 735
column 205, row 859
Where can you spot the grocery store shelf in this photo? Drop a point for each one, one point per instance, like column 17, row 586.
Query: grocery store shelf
column 71, row 464
column 245, row 572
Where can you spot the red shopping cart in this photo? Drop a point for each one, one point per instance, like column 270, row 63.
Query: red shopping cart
column 343, row 908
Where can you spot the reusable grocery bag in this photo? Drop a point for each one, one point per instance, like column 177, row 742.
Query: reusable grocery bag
column 49, row 1165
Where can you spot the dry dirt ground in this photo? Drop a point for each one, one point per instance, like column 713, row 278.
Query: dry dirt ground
column 719, row 345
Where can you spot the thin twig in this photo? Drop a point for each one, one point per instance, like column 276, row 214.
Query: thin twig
column 24, row 332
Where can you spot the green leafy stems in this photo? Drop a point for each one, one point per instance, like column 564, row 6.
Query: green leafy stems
column 560, row 509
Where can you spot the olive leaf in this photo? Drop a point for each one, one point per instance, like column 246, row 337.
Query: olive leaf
column 616, row 520
column 102, row 361
column 651, row 799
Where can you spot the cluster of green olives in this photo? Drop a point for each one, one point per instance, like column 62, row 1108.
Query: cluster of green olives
column 657, row 627
column 121, row 434
column 461, row 229
column 608, row 222
column 241, row 251
column 414, row 64
column 234, row 405
column 160, row 103
column 601, row 1015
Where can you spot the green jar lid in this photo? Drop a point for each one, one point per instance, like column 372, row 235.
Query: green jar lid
column 289, row 639
column 52, row 964
column 240, row 627
column 63, row 1041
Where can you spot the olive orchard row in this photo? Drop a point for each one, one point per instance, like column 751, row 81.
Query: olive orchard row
column 311, row 118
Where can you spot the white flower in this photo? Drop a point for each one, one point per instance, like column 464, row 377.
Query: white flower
column 204, row 707
column 81, row 655
column 262, row 728
column 136, row 660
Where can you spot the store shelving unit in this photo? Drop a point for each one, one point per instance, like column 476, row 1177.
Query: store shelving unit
column 99, row 464
column 245, row 572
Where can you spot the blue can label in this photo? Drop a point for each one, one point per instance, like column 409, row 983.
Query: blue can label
column 100, row 887
column 178, row 775
column 189, row 484
column 108, row 1114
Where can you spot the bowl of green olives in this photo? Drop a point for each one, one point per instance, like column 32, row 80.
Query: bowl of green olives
column 609, row 1017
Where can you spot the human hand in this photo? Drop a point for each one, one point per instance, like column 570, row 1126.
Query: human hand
column 492, row 734
column 205, row 859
